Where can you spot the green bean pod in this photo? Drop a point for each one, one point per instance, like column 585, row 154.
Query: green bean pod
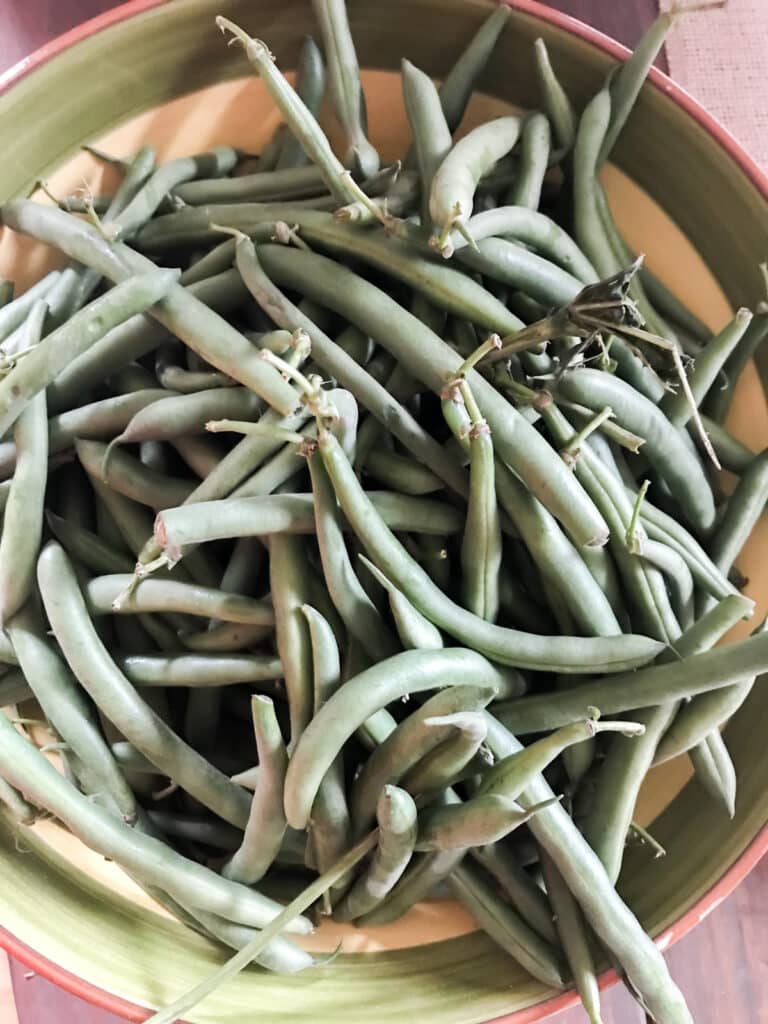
column 106, row 595
column 535, row 145
column 554, row 98
column 445, row 763
column 715, row 771
column 199, row 669
column 310, row 88
column 415, row 632
column 266, row 820
column 482, row 820
column 396, row 818
column 288, row 586
column 521, row 891
column 743, row 510
column 430, row 131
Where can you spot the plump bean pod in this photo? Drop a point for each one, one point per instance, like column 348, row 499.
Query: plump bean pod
column 482, row 820
column 534, row 229
column 155, row 861
column 15, row 312
column 701, row 673
column 329, row 829
column 509, row 646
column 166, row 179
column 178, row 415
column 719, row 399
column 407, row 743
column 344, row 84
column 475, row 890
column 23, row 516
column 614, row 924
column 266, row 821
column 707, row 368
column 282, row 186
column 396, row 818
column 38, row 368
column 431, row 134
column 513, row 265
column 535, row 147
column 574, row 938
column 66, row 707
column 226, row 637
column 288, row 586
column 447, row 762
column 202, row 330
column 742, row 512
column 158, row 595
column 430, row 360
column 715, row 771
column 663, row 446
column 406, row 673
column 459, row 83
column 451, row 196
column 130, row 477
column 198, row 669
column 176, row 528
column 299, row 119
column 423, row 874
column 401, row 473
column 554, row 98
column 310, row 88
column 521, row 891
column 91, row 663
column 359, row 614
column 677, row 574
column 415, row 632
column 512, row 776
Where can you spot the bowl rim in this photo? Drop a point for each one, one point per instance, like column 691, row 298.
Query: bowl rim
column 737, row 872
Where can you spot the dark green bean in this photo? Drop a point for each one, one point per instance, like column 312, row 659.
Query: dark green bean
column 288, row 584
column 14, row 313
column 715, row 771
column 742, row 512
column 129, row 477
column 535, row 144
column 554, row 99
column 719, row 399
column 310, row 88
column 459, row 83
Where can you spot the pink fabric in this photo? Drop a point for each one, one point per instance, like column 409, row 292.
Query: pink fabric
column 721, row 58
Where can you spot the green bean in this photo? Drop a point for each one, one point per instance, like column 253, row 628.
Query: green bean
column 526, row 898
column 409, row 672
column 446, row 762
column 714, row 770
column 198, row 669
column 25, row 767
column 571, row 930
column 731, row 453
column 359, row 614
column 14, row 688
column 262, row 187
column 23, row 517
column 336, row 362
column 105, row 595
column 131, row 478
column 626, row 83
column 216, row 261
column 509, row 646
column 176, row 378
column 701, row 673
column 266, row 821
column 201, row 455
column 287, row 573
column 423, row 874
column 203, row 330
column 678, row 576
column 344, row 84
column 535, row 144
column 744, row 509
column 460, row 81
column 396, row 817
column 430, row 131
column 197, row 829
column 401, row 473
column 454, row 183
column 430, row 360
column 709, row 363
column 176, row 528
column 178, row 415
column 415, row 632
column 165, row 180
column 226, row 637
column 92, row 665
column 719, row 399
column 66, row 707
column 329, row 829
column 511, row 264
column 33, row 373
column 310, row 88
column 484, row 819
column 299, row 119
column 663, row 445
column 554, row 99
column 279, row 955
column 14, row 313
column 534, row 229
column 14, row 804
column 471, row 887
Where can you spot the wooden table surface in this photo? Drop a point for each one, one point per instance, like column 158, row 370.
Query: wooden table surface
column 723, row 965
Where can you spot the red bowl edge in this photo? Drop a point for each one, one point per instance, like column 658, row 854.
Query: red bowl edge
column 759, row 846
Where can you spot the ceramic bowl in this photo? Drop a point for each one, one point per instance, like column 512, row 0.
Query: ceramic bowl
column 684, row 193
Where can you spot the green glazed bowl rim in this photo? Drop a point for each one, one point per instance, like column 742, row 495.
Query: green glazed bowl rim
column 741, row 867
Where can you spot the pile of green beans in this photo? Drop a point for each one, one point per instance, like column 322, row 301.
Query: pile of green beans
column 323, row 482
